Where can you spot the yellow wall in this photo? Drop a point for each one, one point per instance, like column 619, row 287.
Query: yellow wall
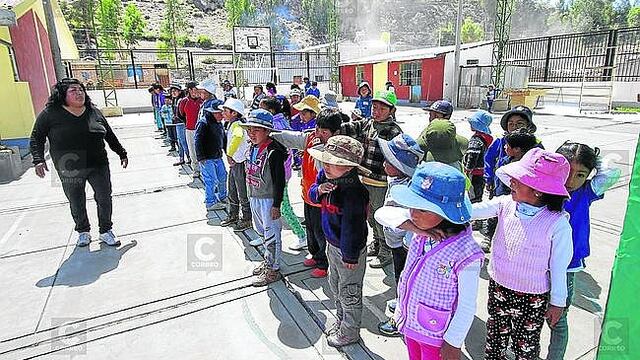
column 380, row 71
column 16, row 113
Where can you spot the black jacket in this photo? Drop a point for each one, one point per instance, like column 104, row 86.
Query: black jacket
column 209, row 139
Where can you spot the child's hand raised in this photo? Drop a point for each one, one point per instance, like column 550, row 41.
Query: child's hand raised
column 326, row 188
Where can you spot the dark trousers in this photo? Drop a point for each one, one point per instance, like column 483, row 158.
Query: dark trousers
column 173, row 135
column 238, row 192
column 477, row 184
column 74, row 183
column 316, row 241
column 399, row 259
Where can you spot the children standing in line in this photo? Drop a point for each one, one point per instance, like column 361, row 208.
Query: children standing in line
column 327, row 125
column 516, row 144
column 237, row 146
column 495, row 157
column 583, row 192
column 273, row 106
column 364, row 100
column 307, row 109
column 439, row 285
column 157, row 100
column 382, row 124
column 209, row 141
column 532, row 248
column 266, row 184
column 402, row 155
column 344, row 203
column 473, row 161
column 166, row 113
column 178, row 96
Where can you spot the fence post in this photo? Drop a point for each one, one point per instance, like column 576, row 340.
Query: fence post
column 135, row 72
column 612, row 42
column 273, row 65
column 547, row 59
column 308, row 66
column 192, row 70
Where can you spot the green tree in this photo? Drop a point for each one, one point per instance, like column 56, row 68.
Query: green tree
column 204, row 41
column 78, row 15
column 446, row 34
column 321, row 18
column 633, row 18
column 109, row 25
column 133, row 25
column 172, row 30
column 238, row 12
column 471, row 31
column 588, row 15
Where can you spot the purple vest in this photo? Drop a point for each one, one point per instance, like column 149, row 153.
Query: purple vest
column 428, row 288
column 521, row 249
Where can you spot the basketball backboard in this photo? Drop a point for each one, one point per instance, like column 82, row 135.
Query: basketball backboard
column 251, row 39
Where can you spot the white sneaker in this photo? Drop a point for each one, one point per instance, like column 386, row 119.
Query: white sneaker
column 257, row 241
column 109, row 238
column 299, row 245
column 84, row 238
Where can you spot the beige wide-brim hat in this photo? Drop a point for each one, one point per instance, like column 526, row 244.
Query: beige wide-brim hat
column 326, row 157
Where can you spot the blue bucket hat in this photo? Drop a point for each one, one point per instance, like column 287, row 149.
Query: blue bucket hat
column 402, row 152
column 259, row 118
column 480, row 121
column 437, row 188
column 442, row 107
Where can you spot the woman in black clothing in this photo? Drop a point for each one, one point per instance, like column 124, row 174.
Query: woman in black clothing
column 77, row 132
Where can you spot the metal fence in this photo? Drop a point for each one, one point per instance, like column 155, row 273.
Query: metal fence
column 593, row 56
column 139, row 68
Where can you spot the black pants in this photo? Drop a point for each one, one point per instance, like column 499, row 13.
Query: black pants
column 316, row 241
column 74, row 183
column 173, row 135
column 399, row 259
column 477, row 183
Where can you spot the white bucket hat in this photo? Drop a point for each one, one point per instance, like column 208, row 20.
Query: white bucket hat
column 235, row 105
column 209, row 85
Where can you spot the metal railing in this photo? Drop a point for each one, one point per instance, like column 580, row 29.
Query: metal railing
column 579, row 57
column 139, row 68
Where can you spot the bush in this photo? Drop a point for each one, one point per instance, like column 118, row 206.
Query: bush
column 204, row 42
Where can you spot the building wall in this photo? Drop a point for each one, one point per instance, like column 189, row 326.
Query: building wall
column 481, row 53
column 348, row 79
column 33, row 55
column 432, row 78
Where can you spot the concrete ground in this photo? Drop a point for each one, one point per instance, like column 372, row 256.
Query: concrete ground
column 179, row 285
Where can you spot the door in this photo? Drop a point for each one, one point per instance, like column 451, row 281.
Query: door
column 380, row 72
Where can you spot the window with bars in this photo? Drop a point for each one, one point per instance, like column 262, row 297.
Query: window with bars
column 411, row 73
column 359, row 74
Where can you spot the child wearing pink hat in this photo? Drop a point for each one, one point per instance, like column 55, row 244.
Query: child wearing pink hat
column 532, row 248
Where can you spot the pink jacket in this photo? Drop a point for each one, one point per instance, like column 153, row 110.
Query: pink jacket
column 428, row 287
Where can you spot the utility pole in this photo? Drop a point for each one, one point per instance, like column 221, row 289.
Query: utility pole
column 53, row 40
column 456, row 63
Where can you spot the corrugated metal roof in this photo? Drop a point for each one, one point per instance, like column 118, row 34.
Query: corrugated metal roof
column 415, row 54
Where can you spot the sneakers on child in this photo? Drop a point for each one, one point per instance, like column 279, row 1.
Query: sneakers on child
column 379, row 262
column 243, row 225
column 267, row 277
column 311, row 262
column 229, row 220
column 256, row 242
column 84, row 238
column 300, row 244
column 109, row 238
column 181, row 162
column 260, row 268
column 318, row 273
column 338, row 339
column 485, row 245
column 373, row 249
column 389, row 328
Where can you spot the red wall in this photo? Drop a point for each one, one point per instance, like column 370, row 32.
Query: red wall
column 24, row 38
column 348, row 79
column 432, row 78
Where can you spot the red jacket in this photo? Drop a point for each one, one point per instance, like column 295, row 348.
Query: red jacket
column 309, row 171
column 190, row 109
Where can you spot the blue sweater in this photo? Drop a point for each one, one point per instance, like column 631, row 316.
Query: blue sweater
column 344, row 213
column 365, row 104
column 315, row 92
column 579, row 218
column 495, row 157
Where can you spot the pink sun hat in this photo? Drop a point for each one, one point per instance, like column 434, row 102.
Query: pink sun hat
column 541, row 170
